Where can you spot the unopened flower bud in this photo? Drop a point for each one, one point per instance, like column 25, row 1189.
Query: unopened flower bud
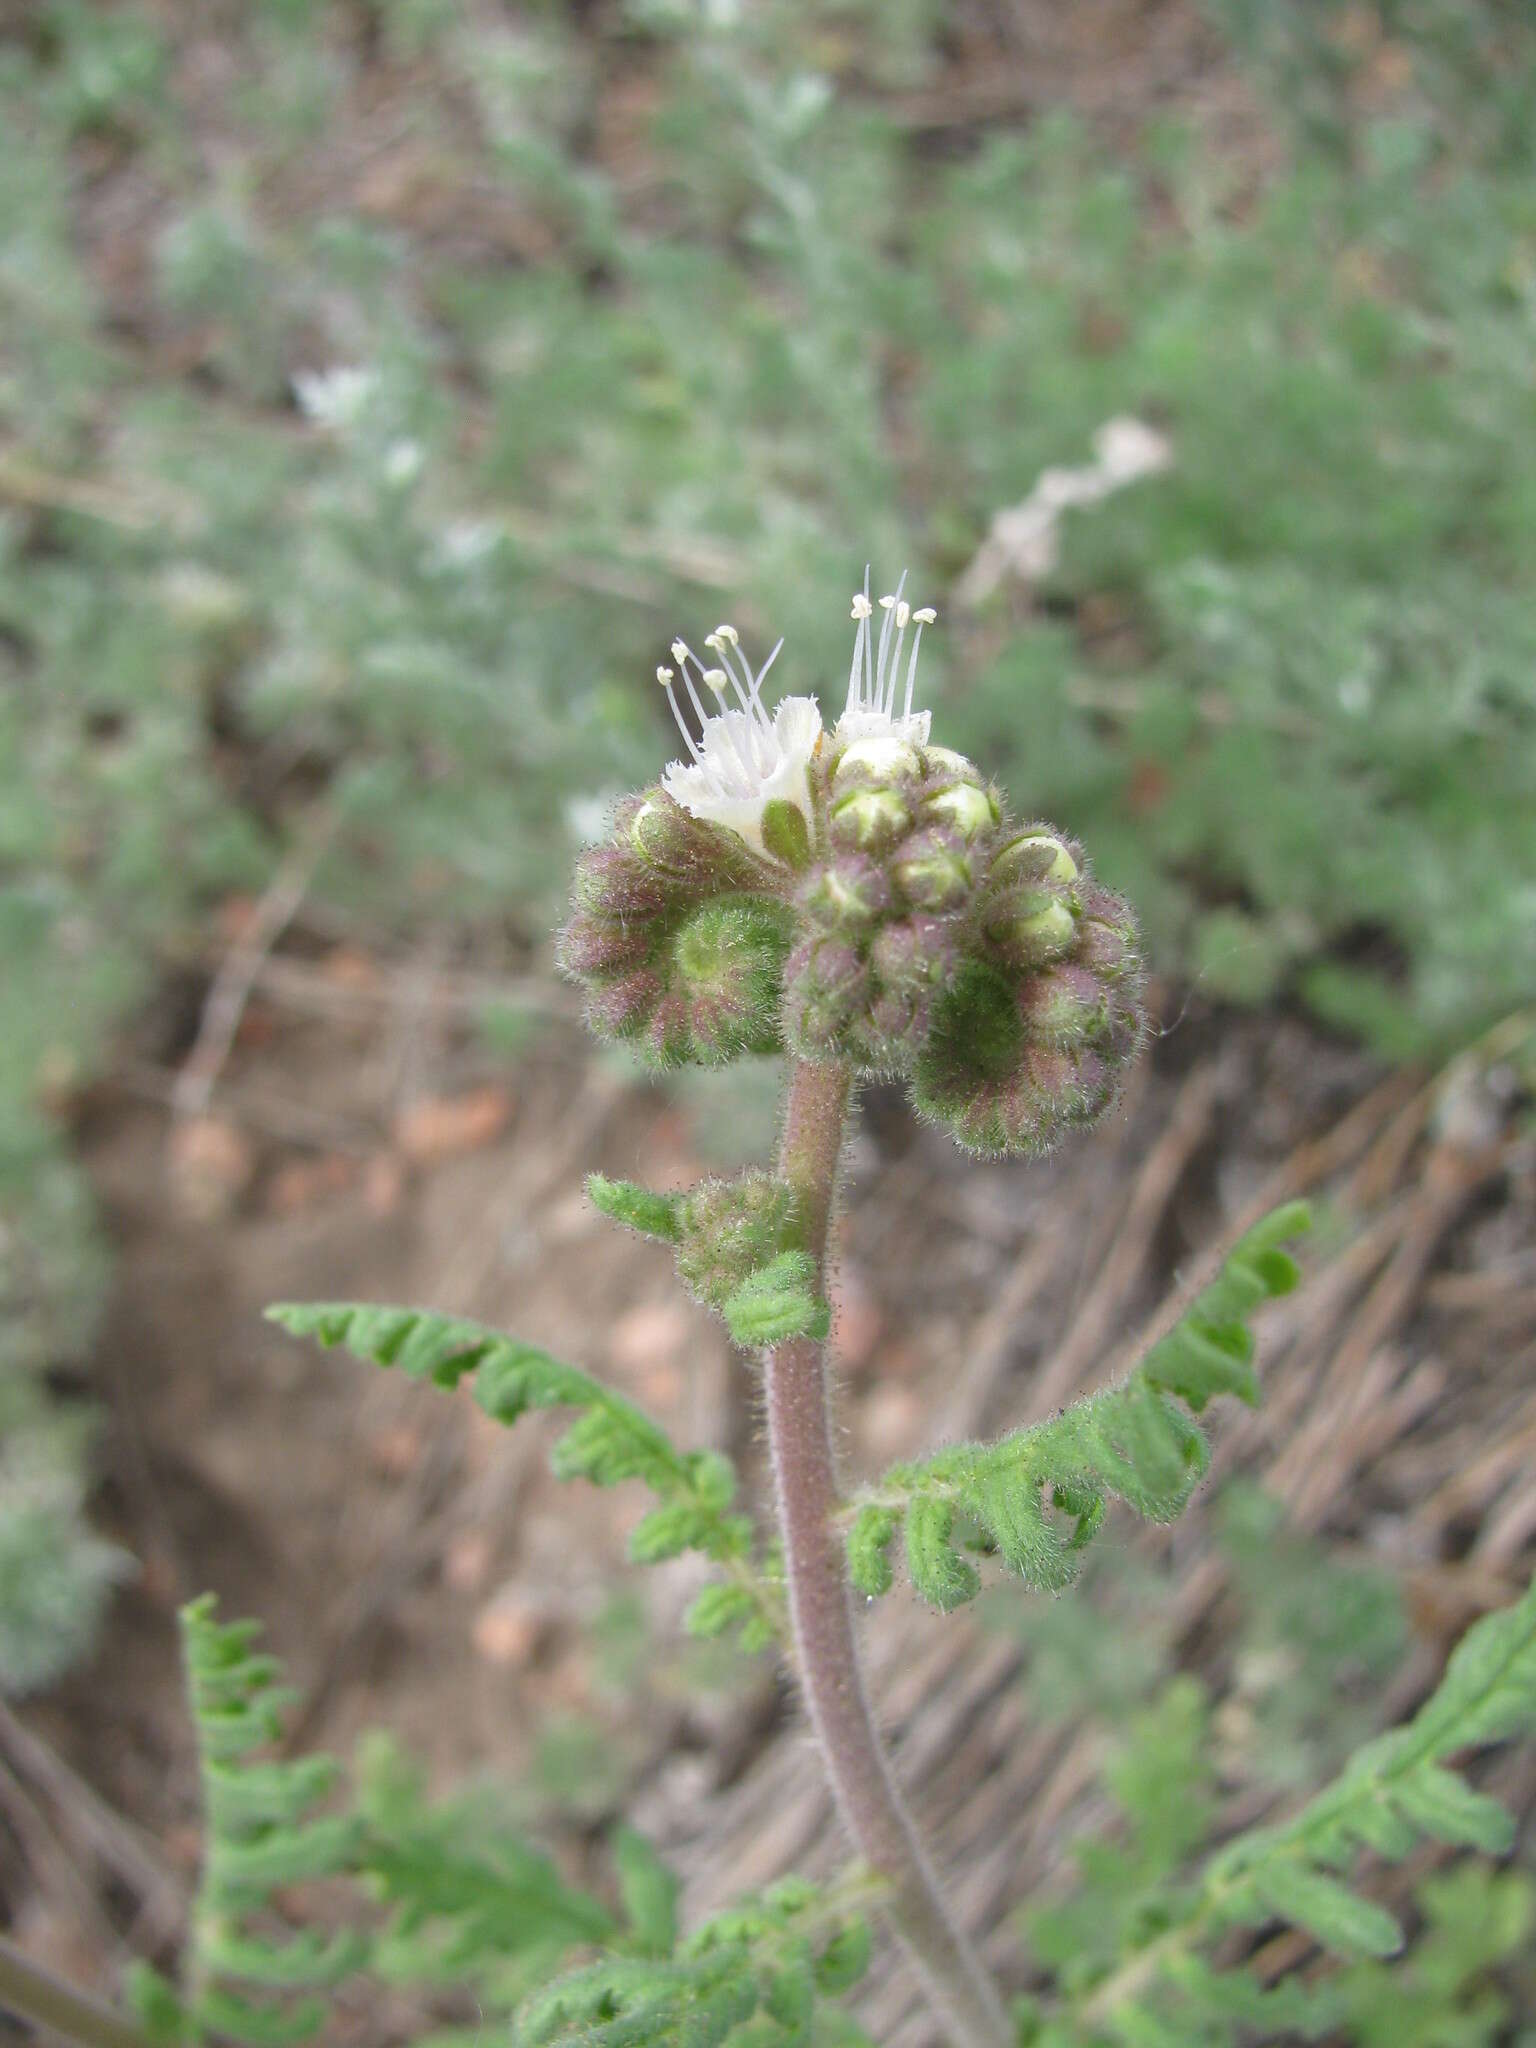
column 1068, row 1006
column 613, row 883
column 730, row 1229
column 945, row 761
column 597, row 946
column 882, row 759
column 848, row 894
column 1029, row 927
column 915, row 953
column 1037, row 855
column 692, row 853
column 968, row 809
column 825, row 983
column 871, row 817
column 933, row 869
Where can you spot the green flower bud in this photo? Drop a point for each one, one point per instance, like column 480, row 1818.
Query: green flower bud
column 1030, row 927
column 1035, row 856
column 728, row 959
column 707, row 986
column 848, row 894
column 730, row 1229
column 933, row 869
column 879, row 760
column 945, row 762
column 873, row 818
column 969, row 809
column 691, row 854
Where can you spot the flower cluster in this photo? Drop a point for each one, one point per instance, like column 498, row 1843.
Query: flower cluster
column 677, row 946
column 856, row 894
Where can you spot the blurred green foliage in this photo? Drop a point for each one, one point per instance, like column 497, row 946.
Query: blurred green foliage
column 382, row 385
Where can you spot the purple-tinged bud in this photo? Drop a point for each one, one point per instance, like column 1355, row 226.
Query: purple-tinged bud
column 727, row 962
column 730, row 1229
column 826, row 984
column 593, row 946
column 871, row 817
column 699, row 858
column 914, row 953
column 1030, row 1042
column 611, row 882
column 933, row 869
column 848, row 894
column 619, row 1008
column 1065, row 1006
column 888, row 1033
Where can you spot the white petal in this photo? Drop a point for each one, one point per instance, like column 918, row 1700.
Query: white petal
column 744, row 766
column 882, row 725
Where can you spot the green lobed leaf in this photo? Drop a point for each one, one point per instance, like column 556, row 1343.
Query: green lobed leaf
column 636, row 1207
column 610, row 1441
column 1326, row 1909
column 648, row 1891
column 1038, row 1496
column 777, row 1303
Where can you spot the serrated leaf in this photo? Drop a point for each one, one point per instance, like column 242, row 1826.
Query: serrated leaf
column 610, row 1441
column 776, row 1304
column 1445, row 1806
column 1134, row 1441
column 718, row 1608
column 1327, row 1910
column 843, row 1960
column 938, row 1572
column 869, row 1544
column 648, row 1891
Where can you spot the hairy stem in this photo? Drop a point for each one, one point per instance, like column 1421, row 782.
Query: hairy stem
column 800, row 1436
column 33, row 1993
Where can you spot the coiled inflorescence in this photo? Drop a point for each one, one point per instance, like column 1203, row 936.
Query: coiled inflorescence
column 857, row 895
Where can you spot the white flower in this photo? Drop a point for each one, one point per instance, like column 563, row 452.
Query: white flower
column 744, row 758
column 337, row 397
column 870, row 713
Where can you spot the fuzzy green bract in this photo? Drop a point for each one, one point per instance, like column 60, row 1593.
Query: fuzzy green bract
column 1037, row 1497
